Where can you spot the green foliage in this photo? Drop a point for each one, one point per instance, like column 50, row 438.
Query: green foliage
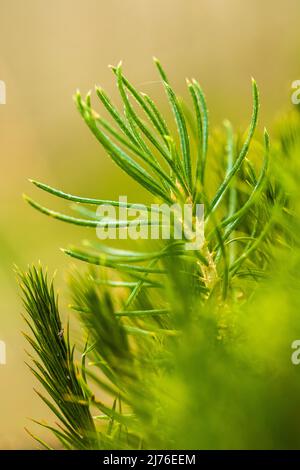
column 55, row 368
column 185, row 349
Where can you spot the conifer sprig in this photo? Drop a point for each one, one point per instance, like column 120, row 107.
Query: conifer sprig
column 136, row 306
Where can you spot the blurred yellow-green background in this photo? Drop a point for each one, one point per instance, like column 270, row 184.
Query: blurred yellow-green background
column 50, row 48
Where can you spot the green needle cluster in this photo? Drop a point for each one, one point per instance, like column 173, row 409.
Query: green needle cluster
column 158, row 320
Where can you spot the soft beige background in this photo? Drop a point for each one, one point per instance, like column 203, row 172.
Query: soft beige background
column 47, row 50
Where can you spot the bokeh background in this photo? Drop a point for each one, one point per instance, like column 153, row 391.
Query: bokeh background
column 48, row 49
